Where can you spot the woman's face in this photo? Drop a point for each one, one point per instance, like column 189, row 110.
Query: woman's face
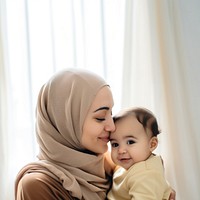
column 98, row 122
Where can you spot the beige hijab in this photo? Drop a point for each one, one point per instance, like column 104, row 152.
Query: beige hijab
column 63, row 104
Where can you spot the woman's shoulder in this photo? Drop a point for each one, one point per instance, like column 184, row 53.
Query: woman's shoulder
column 38, row 185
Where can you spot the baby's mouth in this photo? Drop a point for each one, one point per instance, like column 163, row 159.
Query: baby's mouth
column 124, row 159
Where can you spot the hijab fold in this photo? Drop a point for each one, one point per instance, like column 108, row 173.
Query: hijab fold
column 63, row 103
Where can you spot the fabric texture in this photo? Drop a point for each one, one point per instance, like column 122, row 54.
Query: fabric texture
column 63, row 104
column 40, row 186
column 144, row 180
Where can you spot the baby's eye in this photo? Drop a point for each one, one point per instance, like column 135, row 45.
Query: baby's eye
column 130, row 142
column 114, row 144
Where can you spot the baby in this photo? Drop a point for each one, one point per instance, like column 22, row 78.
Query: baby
column 140, row 173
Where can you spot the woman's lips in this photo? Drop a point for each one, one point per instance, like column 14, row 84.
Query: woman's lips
column 105, row 139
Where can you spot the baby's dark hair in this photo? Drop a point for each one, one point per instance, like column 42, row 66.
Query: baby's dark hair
column 143, row 115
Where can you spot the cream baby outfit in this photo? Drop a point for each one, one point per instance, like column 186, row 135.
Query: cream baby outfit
column 143, row 181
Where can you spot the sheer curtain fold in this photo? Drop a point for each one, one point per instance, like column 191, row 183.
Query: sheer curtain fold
column 41, row 38
column 137, row 69
column 3, row 119
column 158, row 74
column 178, row 117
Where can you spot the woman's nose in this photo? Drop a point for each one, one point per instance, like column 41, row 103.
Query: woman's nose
column 110, row 126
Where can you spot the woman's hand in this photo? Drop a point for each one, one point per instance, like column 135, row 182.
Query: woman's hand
column 172, row 195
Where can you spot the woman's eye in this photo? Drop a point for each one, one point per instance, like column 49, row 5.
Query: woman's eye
column 114, row 145
column 130, row 142
column 100, row 119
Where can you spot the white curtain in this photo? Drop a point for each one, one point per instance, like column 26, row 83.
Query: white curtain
column 147, row 50
column 38, row 38
column 161, row 71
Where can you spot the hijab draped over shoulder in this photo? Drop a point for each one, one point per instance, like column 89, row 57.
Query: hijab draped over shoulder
column 63, row 103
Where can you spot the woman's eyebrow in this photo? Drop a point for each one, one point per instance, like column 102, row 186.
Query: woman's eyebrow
column 102, row 108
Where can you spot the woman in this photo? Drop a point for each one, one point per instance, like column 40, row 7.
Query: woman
column 73, row 121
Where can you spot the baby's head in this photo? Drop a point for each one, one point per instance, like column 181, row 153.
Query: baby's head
column 135, row 136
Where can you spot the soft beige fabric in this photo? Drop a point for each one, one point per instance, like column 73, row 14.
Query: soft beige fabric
column 39, row 186
column 143, row 181
column 62, row 106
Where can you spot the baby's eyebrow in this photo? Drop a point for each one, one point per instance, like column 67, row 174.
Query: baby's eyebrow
column 130, row 136
column 126, row 137
column 102, row 108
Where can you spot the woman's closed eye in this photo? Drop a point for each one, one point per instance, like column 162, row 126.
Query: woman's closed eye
column 100, row 119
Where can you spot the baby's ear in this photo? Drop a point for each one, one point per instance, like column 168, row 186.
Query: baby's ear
column 153, row 143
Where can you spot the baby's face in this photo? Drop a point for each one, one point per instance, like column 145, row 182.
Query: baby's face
column 129, row 142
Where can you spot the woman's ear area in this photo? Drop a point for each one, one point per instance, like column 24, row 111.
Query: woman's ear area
column 153, row 143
